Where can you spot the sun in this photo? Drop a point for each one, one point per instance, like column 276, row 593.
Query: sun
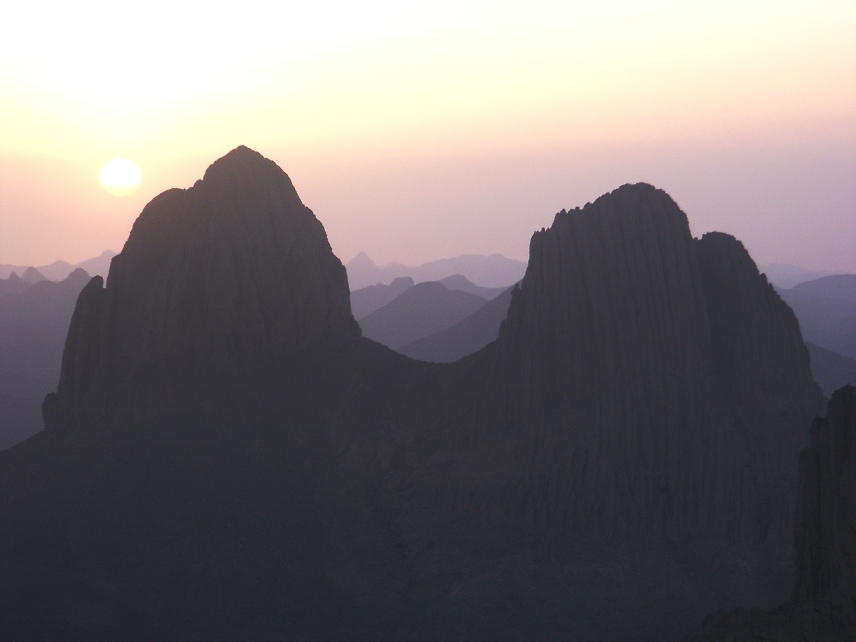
column 120, row 177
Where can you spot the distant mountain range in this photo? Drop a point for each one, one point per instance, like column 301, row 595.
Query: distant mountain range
column 368, row 299
column 826, row 308
column 494, row 271
column 464, row 337
column 59, row 270
column 418, row 312
column 787, row 276
column 34, row 320
column 228, row 457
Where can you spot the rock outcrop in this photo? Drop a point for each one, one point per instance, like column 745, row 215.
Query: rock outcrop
column 650, row 383
column 826, row 511
column 611, row 467
column 823, row 603
column 222, row 276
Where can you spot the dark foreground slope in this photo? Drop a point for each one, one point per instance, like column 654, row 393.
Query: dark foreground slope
column 822, row 605
column 227, row 458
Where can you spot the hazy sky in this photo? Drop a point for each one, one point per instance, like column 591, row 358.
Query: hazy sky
column 457, row 127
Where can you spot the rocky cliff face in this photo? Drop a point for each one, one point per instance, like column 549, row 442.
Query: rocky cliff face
column 761, row 368
column 222, row 276
column 826, row 510
column 612, row 467
column 822, row 605
column 650, row 383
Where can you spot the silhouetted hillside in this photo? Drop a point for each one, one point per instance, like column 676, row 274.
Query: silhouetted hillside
column 787, row 276
column 227, row 458
column 826, row 309
column 465, row 337
column 13, row 285
column 822, row 605
column 830, row 369
column 59, row 270
column 34, row 319
column 494, row 271
column 19, row 419
column 460, row 282
column 420, row 311
column 32, row 275
column 368, row 299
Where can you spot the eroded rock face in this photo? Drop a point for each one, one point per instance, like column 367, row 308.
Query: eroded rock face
column 826, row 511
column 823, row 604
column 761, row 368
column 599, row 453
column 216, row 278
column 650, row 383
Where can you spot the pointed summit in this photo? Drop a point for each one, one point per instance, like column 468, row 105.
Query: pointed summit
column 32, row 275
column 231, row 272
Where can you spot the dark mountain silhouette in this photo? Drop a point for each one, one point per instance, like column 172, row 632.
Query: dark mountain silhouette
column 33, row 327
column 368, row 299
column 465, row 337
column 619, row 302
column 462, row 283
column 212, row 279
column 831, row 370
column 826, row 309
column 227, row 458
column 836, row 286
column 822, row 605
column 19, row 419
column 494, row 271
column 420, row 311
column 13, row 285
column 32, row 275
column 96, row 266
column 59, row 270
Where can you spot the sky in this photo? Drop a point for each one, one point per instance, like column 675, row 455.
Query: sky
column 424, row 132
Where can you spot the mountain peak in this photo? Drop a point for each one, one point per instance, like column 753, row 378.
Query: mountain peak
column 32, row 275
column 362, row 260
column 240, row 160
column 231, row 272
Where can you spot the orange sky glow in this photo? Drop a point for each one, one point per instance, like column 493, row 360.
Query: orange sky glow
column 459, row 127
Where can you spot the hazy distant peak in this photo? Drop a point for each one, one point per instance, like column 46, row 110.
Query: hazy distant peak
column 32, row 275
column 362, row 260
column 835, row 285
column 78, row 275
column 491, row 271
column 456, row 281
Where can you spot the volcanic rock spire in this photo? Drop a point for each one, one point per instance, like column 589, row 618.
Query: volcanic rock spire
column 649, row 380
column 221, row 277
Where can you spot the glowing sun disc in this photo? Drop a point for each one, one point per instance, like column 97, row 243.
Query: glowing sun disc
column 120, row 177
